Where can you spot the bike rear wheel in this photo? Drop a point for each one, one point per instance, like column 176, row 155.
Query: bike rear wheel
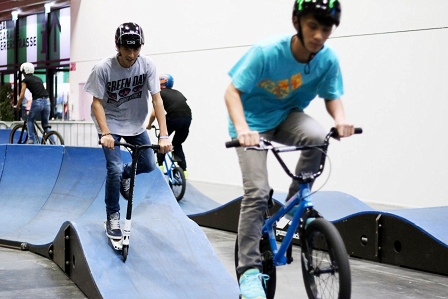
column 18, row 135
column 325, row 265
column 178, row 183
column 268, row 266
column 53, row 138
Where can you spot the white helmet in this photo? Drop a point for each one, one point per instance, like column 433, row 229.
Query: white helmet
column 27, row 68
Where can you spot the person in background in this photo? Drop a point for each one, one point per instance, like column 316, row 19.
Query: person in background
column 40, row 103
column 272, row 84
column 122, row 86
column 61, row 101
column 178, row 119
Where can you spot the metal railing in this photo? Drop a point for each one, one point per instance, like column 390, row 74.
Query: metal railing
column 75, row 133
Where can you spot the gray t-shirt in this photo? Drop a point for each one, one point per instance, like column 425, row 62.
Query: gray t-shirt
column 124, row 93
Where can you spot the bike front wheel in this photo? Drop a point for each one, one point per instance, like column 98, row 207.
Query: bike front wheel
column 325, row 265
column 53, row 138
column 18, row 135
column 178, row 183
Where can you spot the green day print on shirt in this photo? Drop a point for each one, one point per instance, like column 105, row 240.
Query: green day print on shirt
column 124, row 90
column 282, row 88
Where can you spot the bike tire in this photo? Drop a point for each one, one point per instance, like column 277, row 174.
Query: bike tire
column 53, row 138
column 325, row 265
column 124, row 252
column 178, row 183
column 18, row 135
column 268, row 266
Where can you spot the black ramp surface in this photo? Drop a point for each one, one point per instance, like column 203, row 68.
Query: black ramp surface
column 169, row 255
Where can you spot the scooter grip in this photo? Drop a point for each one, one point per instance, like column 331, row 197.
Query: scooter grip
column 358, row 130
column 233, row 143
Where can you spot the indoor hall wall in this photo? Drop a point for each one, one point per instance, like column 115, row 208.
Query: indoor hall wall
column 391, row 57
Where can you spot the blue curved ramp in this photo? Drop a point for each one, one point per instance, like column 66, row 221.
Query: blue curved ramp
column 52, row 199
column 195, row 202
column 4, row 135
column 28, row 177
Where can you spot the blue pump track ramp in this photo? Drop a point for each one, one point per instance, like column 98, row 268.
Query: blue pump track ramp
column 412, row 238
column 52, row 203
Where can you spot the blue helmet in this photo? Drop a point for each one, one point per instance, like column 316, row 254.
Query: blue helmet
column 166, row 81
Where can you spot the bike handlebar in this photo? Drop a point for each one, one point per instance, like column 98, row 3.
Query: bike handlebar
column 303, row 177
column 133, row 146
column 333, row 133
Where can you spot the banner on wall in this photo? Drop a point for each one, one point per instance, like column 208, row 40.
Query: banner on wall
column 37, row 36
column 6, row 44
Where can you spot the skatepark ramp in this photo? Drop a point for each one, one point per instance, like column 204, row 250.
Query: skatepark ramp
column 52, row 203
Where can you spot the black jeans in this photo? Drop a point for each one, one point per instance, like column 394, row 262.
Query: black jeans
column 181, row 127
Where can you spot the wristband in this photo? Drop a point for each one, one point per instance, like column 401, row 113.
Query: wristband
column 102, row 135
column 164, row 137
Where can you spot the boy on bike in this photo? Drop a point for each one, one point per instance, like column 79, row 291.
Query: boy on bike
column 40, row 104
column 271, row 86
column 178, row 119
column 121, row 86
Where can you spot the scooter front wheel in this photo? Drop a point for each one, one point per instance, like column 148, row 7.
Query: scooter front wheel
column 124, row 252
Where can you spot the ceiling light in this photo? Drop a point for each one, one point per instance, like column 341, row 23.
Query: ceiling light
column 15, row 15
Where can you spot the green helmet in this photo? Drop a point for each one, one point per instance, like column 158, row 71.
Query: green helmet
column 327, row 12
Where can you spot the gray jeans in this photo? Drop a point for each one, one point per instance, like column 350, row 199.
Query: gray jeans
column 297, row 129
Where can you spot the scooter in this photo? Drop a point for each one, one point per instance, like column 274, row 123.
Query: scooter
column 123, row 243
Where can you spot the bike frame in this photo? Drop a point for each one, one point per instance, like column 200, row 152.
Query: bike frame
column 37, row 129
column 169, row 166
column 301, row 198
column 169, row 162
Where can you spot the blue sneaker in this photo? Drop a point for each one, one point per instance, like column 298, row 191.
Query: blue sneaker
column 251, row 284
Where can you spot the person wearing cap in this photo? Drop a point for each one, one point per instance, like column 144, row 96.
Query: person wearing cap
column 122, row 87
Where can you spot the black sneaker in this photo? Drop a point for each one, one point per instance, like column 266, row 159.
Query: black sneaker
column 113, row 229
column 125, row 185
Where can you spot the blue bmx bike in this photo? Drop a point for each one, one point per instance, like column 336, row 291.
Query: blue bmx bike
column 324, row 259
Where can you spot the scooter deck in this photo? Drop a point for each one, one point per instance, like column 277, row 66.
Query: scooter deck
column 117, row 244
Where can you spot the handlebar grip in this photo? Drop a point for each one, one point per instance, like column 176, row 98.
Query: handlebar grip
column 233, row 143
column 358, row 130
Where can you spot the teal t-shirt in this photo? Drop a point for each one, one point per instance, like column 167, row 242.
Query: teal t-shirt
column 272, row 83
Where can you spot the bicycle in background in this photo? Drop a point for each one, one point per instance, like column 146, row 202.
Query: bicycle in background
column 174, row 174
column 19, row 135
column 324, row 258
